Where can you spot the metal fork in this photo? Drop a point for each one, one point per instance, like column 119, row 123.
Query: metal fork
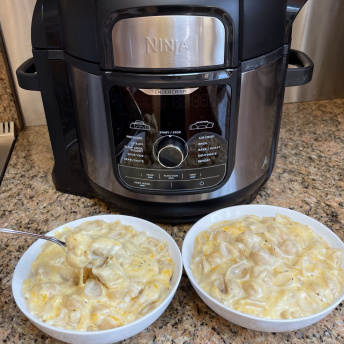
column 33, row 235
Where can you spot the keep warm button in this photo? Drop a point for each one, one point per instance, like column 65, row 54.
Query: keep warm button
column 142, row 184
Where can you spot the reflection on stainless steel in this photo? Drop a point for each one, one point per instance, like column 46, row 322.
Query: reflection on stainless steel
column 257, row 119
column 94, row 136
column 319, row 32
column 168, row 42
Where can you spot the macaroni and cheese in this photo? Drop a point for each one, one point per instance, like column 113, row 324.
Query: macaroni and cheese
column 108, row 276
column 270, row 267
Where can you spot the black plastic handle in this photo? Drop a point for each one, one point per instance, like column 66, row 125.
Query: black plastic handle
column 302, row 71
column 27, row 75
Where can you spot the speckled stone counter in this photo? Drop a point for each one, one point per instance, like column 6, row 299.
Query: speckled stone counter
column 308, row 177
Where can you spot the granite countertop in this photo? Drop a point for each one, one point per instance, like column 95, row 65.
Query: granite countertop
column 308, row 177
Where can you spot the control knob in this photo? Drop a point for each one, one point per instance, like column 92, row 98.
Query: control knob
column 170, row 151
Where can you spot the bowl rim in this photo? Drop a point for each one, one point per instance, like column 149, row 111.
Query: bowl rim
column 194, row 230
column 72, row 224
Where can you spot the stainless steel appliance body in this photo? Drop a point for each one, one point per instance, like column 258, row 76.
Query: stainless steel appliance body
column 165, row 111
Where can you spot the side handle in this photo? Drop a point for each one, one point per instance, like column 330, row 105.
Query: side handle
column 302, row 71
column 27, row 75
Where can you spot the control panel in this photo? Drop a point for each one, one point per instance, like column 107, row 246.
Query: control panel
column 171, row 139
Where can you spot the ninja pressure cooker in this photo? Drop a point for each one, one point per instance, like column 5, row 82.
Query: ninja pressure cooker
column 165, row 109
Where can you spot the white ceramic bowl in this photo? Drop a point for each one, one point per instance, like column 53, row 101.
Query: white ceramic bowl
column 245, row 320
column 107, row 336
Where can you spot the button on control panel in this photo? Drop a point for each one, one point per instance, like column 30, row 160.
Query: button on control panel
column 168, row 179
column 170, row 151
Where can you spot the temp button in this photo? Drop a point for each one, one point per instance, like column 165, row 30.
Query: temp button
column 191, row 175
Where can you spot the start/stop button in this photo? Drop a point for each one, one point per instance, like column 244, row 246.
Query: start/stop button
column 170, row 151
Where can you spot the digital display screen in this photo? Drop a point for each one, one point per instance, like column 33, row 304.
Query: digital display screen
column 174, row 101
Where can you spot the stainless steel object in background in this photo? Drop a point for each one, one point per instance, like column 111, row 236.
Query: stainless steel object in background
column 318, row 30
column 7, row 139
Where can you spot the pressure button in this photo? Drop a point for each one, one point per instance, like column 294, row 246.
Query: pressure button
column 170, row 151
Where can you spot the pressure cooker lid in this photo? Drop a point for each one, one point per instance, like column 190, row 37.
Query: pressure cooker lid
column 168, row 41
column 85, row 28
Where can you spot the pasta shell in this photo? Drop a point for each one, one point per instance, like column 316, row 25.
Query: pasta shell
column 234, row 289
column 74, row 302
column 231, row 250
column 261, row 256
column 111, row 275
column 238, row 271
column 93, row 288
column 249, row 239
column 123, row 234
column 98, row 313
column 283, row 279
column 75, row 316
column 221, row 236
column 276, row 251
column 253, row 288
column 109, row 322
column 289, row 247
column 214, row 259
column 105, row 247
column 262, row 273
column 210, row 247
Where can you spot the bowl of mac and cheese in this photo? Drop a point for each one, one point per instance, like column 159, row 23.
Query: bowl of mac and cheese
column 115, row 277
column 265, row 268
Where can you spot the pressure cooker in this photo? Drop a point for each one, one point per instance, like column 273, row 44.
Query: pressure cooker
column 164, row 109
